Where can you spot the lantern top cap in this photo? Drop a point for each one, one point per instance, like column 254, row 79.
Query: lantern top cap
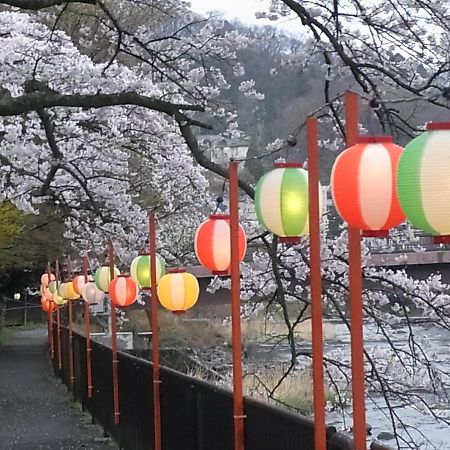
column 432, row 126
column 219, row 217
column 180, row 270
column 374, row 139
column 288, row 165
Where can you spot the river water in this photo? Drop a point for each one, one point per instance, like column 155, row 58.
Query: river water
column 424, row 431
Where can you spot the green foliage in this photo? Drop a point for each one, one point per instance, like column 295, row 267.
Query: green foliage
column 27, row 242
column 11, row 227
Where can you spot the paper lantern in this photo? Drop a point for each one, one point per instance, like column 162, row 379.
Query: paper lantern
column 123, row 291
column 62, row 290
column 58, row 300
column 47, row 306
column 281, row 201
column 69, row 291
column 178, row 291
column 47, row 294
column 45, row 279
column 102, row 277
column 92, row 294
column 363, row 185
column 52, row 286
column 140, row 270
column 78, row 283
column 423, row 181
column 212, row 244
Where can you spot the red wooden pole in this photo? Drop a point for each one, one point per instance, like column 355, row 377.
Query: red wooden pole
column 87, row 319
column 155, row 333
column 115, row 374
column 238, row 401
column 71, row 368
column 320, row 437
column 58, row 319
column 355, row 293
column 50, row 320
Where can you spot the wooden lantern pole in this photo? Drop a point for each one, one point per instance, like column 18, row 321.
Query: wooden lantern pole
column 87, row 319
column 50, row 319
column 115, row 375
column 238, row 400
column 58, row 318
column 355, row 294
column 155, row 332
column 320, row 437
column 71, row 368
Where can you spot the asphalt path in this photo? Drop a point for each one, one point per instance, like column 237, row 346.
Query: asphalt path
column 36, row 411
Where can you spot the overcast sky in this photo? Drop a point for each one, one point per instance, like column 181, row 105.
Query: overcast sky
column 244, row 10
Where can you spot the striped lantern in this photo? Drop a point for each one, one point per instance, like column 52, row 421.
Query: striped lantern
column 281, row 201
column 47, row 306
column 78, row 283
column 58, row 300
column 102, row 277
column 363, row 185
column 47, row 294
column 178, row 291
column 45, row 279
column 52, row 286
column 92, row 294
column 212, row 244
column 62, row 290
column 123, row 291
column 69, row 291
column 423, row 181
column 140, row 270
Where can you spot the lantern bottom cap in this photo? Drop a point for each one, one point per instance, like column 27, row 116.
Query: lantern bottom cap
column 181, row 311
column 443, row 239
column 221, row 272
column 375, row 233
column 290, row 239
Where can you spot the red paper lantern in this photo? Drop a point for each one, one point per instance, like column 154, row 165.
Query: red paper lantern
column 47, row 306
column 123, row 291
column 363, row 185
column 212, row 244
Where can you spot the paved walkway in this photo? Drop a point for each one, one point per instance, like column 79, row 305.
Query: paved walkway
column 35, row 408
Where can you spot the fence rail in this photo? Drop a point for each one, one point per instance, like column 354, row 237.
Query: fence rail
column 196, row 415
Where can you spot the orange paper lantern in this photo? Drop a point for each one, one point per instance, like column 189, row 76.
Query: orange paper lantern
column 212, row 244
column 123, row 291
column 45, row 279
column 363, row 185
column 47, row 306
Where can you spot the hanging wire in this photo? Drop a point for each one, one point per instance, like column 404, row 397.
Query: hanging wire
column 220, row 198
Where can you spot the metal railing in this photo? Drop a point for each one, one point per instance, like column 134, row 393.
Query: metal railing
column 196, row 415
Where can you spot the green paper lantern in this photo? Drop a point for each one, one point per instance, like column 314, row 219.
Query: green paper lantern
column 140, row 270
column 281, row 201
column 423, row 180
column 102, row 277
column 52, row 286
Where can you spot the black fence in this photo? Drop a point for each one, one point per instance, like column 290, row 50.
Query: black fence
column 195, row 415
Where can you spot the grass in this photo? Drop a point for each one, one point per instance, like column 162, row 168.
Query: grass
column 6, row 334
column 295, row 391
column 196, row 332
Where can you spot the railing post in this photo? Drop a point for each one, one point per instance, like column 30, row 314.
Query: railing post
column 58, row 318
column 71, row 362
column 355, row 294
column 238, row 401
column 87, row 319
column 155, row 333
column 115, row 375
column 320, row 438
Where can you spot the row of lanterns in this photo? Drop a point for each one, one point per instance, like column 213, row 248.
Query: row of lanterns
column 375, row 185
